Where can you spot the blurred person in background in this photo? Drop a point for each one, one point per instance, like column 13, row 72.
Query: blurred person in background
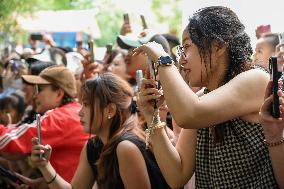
column 265, row 48
column 60, row 123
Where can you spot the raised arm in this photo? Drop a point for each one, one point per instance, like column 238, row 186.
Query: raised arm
column 177, row 164
column 189, row 111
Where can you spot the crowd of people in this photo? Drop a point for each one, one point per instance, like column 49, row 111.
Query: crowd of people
column 199, row 118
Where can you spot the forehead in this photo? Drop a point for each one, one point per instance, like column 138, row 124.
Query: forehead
column 263, row 43
column 185, row 36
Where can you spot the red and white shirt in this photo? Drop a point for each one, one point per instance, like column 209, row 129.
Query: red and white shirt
column 60, row 128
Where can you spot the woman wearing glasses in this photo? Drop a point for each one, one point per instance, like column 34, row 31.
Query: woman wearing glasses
column 222, row 140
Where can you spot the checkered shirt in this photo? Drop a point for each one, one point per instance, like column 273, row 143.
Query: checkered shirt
column 240, row 161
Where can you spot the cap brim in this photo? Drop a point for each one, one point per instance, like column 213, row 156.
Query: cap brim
column 127, row 42
column 34, row 79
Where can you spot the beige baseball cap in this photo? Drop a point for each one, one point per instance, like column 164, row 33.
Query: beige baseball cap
column 58, row 75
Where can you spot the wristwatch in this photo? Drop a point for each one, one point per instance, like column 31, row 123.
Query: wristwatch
column 165, row 61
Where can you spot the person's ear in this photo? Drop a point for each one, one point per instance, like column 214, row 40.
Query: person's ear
column 60, row 95
column 110, row 110
column 219, row 49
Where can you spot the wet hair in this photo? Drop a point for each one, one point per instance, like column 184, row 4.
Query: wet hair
column 98, row 93
column 220, row 24
column 272, row 39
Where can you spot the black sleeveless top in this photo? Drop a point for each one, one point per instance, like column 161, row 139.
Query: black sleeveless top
column 94, row 149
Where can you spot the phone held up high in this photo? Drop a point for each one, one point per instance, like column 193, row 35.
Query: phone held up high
column 91, row 51
column 275, row 74
column 36, row 36
column 109, row 48
column 126, row 18
column 144, row 24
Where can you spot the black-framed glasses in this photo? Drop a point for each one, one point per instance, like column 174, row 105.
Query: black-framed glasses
column 180, row 52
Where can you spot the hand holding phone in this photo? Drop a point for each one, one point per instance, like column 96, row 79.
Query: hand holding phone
column 275, row 74
column 91, row 51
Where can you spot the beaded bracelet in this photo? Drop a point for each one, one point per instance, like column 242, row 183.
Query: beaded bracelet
column 53, row 179
column 150, row 131
column 273, row 144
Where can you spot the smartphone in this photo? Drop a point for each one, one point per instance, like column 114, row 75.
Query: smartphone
column 139, row 76
column 275, row 74
column 144, row 24
column 9, row 175
column 126, row 18
column 281, row 41
column 38, row 131
column 36, row 36
column 108, row 48
column 91, row 50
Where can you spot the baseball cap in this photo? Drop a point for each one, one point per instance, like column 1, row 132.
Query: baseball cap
column 132, row 41
column 58, row 75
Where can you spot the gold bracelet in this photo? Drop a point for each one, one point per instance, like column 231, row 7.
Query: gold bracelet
column 53, row 179
column 273, row 144
column 150, row 131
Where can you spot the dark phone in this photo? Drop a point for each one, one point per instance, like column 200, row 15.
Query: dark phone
column 108, row 48
column 275, row 74
column 144, row 24
column 36, row 36
column 126, row 18
column 91, row 50
column 11, row 176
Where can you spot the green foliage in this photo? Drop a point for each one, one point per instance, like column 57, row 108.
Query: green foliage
column 109, row 19
column 64, row 4
column 109, row 16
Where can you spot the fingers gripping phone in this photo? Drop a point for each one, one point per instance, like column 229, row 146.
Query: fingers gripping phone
column 275, row 74
column 91, row 50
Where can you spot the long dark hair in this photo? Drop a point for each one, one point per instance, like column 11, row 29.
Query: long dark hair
column 105, row 89
column 220, row 24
